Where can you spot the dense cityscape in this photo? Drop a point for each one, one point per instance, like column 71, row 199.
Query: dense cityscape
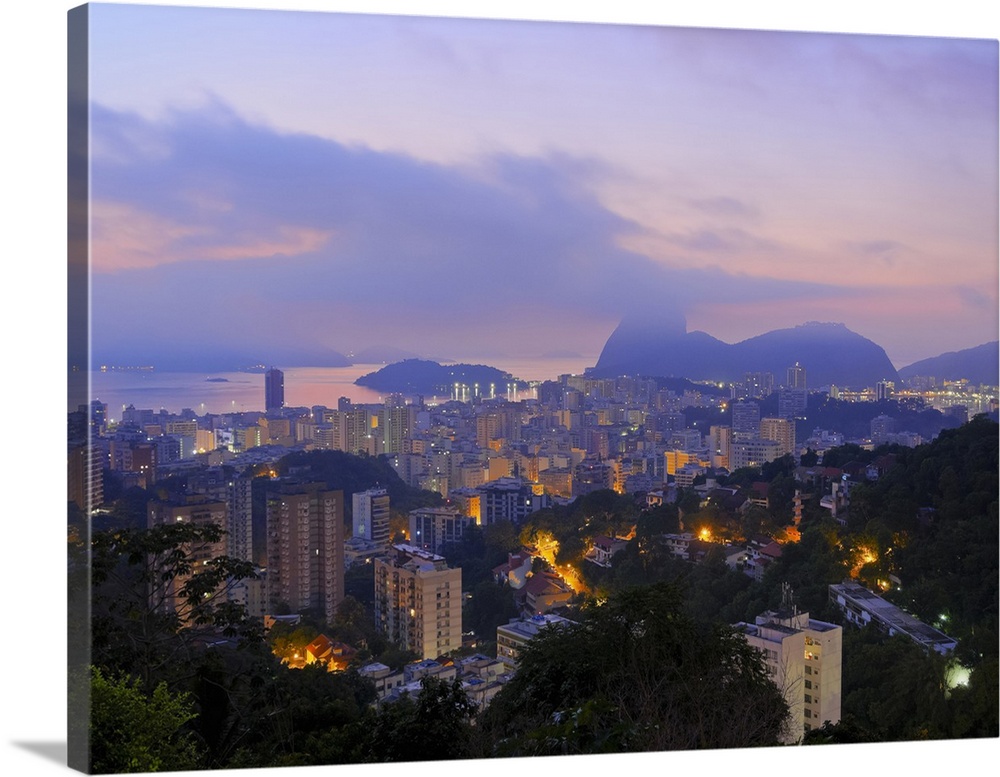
column 411, row 552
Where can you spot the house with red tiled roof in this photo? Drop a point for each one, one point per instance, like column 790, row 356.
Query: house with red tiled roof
column 336, row 655
column 320, row 649
column 545, row 591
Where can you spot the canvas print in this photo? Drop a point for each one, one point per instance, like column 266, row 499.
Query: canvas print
column 453, row 389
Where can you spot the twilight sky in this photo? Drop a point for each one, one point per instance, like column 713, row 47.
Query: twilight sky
column 470, row 188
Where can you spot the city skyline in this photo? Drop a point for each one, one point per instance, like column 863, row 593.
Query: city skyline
column 471, row 189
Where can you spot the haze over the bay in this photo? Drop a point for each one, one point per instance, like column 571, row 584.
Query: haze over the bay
column 471, row 188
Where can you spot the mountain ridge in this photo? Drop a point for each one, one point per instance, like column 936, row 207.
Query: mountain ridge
column 979, row 365
column 830, row 353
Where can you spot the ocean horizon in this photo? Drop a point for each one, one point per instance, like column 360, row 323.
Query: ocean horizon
column 232, row 392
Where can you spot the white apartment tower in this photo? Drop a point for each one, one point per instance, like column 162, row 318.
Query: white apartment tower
column 370, row 515
column 803, row 657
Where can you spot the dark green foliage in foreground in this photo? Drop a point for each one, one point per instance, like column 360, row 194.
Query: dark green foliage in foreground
column 433, row 726
column 636, row 674
column 134, row 574
column 950, row 565
column 894, row 691
column 133, row 732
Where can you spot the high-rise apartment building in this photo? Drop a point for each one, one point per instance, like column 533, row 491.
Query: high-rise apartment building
column 199, row 510
column 719, row 440
column 782, row 431
column 756, row 385
column 884, row 390
column 274, row 389
column 882, row 427
column 804, row 659
column 431, row 528
column 510, row 499
column 418, row 601
column 86, row 476
column 746, row 420
column 796, row 377
column 370, row 515
column 305, row 547
column 224, row 485
column 394, row 426
column 355, row 430
column 792, row 402
column 752, row 453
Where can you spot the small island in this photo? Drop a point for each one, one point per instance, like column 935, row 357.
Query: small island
column 217, row 380
column 419, row 376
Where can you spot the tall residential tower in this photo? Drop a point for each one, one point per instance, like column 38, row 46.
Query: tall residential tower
column 274, row 389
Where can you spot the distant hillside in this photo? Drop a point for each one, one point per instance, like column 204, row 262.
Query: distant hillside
column 830, row 353
column 381, row 354
column 418, row 376
column 207, row 357
column 979, row 365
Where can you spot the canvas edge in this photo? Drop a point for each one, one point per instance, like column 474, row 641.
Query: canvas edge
column 78, row 348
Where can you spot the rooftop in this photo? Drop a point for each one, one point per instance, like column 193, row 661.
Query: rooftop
column 893, row 617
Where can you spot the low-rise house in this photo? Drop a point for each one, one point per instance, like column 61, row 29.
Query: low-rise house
column 604, row 548
column 514, row 572
column 666, row 495
column 761, row 553
column 730, row 500
column 288, row 620
column 758, row 493
column 319, row 650
column 514, row 635
column 358, row 550
column 863, row 607
column 429, row 668
column 678, row 544
column 336, row 655
column 479, row 691
column 545, row 591
column 386, row 680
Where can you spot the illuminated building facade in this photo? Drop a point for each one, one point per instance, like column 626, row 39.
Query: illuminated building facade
column 752, row 453
column 804, row 658
column 782, row 431
column 418, row 601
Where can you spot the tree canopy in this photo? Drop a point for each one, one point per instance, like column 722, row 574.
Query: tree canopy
column 636, row 673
